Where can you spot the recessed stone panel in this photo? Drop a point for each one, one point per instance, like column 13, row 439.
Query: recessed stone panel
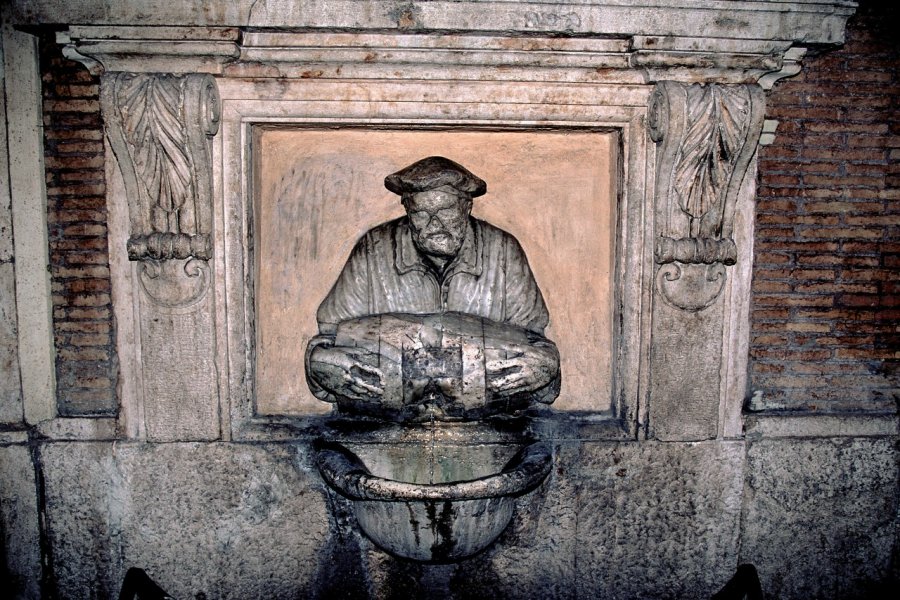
column 319, row 191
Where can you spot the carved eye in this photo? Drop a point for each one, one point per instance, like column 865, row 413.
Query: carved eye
column 420, row 218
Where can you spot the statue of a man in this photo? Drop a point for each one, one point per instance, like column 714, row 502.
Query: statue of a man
column 437, row 260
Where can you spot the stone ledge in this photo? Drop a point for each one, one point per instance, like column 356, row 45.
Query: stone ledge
column 78, row 429
column 781, row 425
column 548, row 425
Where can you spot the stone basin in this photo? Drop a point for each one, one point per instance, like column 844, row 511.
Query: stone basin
column 433, row 504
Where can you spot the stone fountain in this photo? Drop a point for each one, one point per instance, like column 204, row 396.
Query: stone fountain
column 435, row 323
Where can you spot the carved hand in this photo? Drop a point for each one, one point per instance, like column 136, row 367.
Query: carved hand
column 518, row 368
column 346, row 372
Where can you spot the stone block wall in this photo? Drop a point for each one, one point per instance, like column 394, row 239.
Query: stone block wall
column 82, row 311
column 621, row 520
column 820, row 516
column 826, row 298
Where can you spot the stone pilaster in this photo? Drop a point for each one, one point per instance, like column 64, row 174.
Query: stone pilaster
column 707, row 137
column 159, row 127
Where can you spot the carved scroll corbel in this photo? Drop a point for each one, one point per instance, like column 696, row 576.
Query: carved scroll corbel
column 159, row 127
column 707, row 135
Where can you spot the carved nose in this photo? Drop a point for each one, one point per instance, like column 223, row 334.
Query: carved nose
column 434, row 225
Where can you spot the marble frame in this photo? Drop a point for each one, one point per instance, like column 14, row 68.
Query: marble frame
column 679, row 368
column 620, row 109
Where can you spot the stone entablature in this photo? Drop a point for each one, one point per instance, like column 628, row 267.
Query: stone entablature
column 593, row 41
column 644, row 55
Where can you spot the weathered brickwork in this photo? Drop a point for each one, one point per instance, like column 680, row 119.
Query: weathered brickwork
column 82, row 311
column 825, row 291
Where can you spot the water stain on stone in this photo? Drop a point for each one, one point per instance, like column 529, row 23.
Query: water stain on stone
column 442, row 529
column 414, row 523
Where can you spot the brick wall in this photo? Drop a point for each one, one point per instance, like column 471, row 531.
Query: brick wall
column 825, row 291
column 82, row 313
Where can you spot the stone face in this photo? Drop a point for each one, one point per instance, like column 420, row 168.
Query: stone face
column 19, row 523
column 657, row 520
column 821, row 516
column 230, row 521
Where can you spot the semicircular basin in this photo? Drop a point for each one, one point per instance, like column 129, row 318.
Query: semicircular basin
column 438, row 521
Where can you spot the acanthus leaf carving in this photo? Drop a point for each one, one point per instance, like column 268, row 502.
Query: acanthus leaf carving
column 716, row 130
column 706, row 136
column 149, row 111
column 159, row 127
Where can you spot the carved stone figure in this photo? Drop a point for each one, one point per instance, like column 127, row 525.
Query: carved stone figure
column 436, row 314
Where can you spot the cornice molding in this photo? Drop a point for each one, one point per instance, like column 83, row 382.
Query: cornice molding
column 611, row 40
column 816, row 21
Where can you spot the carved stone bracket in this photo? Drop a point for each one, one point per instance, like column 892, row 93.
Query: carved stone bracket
column 159, row 127
column 707, row 136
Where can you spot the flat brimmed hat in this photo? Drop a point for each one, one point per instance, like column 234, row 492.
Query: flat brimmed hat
column 434, row 172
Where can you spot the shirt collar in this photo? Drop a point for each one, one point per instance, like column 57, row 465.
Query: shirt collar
column 468, row 259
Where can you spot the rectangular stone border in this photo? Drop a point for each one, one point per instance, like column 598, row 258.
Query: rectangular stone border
column 413, row 104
